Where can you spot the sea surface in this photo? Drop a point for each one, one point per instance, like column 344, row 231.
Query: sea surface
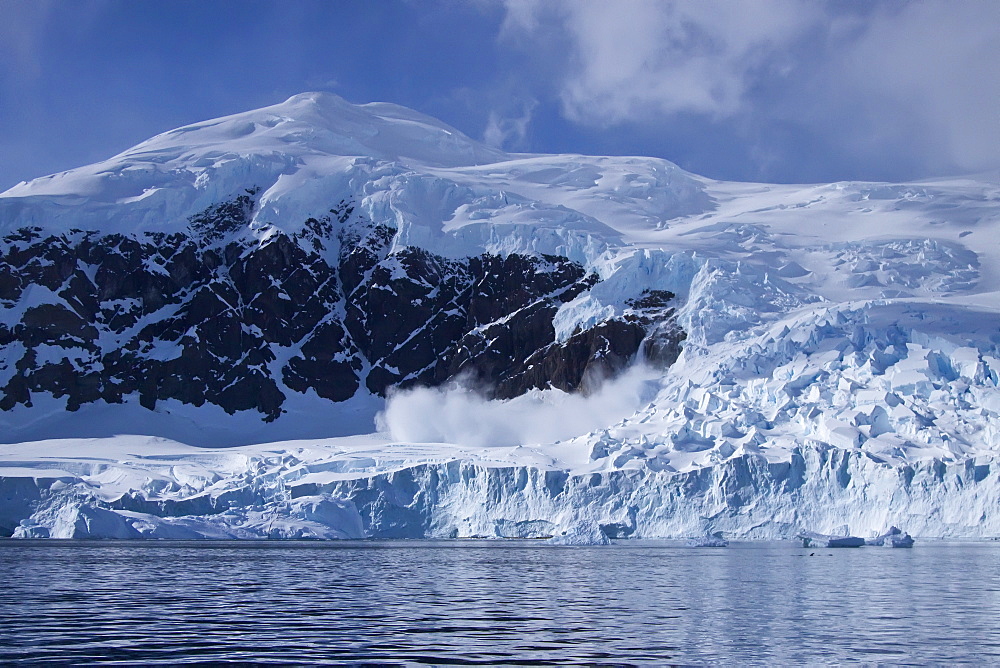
column 518, row 602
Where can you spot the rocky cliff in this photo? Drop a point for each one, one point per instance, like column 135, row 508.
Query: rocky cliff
column 216, row 315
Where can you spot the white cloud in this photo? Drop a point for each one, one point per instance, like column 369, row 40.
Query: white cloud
column 920, row 78
column 938, row 62
column 644, row 57
column 510, row 132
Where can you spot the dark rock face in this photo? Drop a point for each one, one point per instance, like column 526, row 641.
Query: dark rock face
column 218, row 316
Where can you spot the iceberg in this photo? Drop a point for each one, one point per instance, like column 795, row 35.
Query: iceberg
column 811, row 539
column 894, row 537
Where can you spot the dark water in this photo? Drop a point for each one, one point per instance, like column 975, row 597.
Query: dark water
column 473, row 603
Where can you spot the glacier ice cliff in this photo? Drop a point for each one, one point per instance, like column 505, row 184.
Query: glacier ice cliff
column 277, row 495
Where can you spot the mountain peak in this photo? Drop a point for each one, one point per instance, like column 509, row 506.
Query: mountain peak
column 316, row 97
column 325, row 123
column 293, row 132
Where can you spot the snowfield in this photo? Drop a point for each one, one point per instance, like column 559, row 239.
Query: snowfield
column 840, row 368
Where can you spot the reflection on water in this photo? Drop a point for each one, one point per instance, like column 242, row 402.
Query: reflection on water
column 496, row 603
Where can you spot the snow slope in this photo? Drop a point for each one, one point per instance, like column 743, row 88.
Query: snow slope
column 841, row 365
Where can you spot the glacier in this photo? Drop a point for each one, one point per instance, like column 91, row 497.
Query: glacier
column 839, row 367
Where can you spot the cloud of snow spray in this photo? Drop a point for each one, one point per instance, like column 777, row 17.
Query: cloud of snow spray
column 460, row 414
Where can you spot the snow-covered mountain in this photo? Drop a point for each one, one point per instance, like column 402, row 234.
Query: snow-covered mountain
column 586, row 347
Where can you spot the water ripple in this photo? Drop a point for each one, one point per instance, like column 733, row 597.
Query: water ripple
column 475, row 604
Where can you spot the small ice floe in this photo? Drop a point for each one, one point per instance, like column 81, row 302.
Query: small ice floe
column 711, row 540
column 812, row 539
column 894, row 537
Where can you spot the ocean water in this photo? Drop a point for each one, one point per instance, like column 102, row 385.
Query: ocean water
column 466, row 602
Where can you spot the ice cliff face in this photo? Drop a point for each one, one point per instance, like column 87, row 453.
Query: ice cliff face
column 369, row 488
column 654, row 354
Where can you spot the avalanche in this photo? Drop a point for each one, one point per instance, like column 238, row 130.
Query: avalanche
column 839, row 371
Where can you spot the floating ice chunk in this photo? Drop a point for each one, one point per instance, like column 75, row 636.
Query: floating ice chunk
column 904, row 540
column 894, row 537
column 811, row 539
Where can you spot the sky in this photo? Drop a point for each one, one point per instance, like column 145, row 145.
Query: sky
column 754, row 90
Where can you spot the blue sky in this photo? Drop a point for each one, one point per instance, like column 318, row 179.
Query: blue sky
column 779, row 90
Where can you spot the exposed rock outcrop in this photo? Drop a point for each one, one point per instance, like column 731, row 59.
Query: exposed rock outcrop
column 221, row 316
